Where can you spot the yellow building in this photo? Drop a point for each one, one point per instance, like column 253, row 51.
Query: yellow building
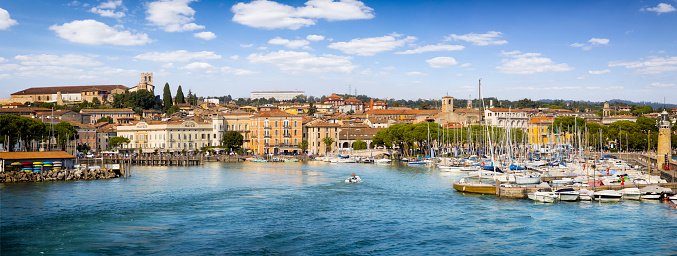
column 537, row 130
column 275, row 132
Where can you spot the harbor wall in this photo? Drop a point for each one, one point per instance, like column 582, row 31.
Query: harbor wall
column 58, row 175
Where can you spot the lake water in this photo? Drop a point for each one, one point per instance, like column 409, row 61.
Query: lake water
column 306, row 208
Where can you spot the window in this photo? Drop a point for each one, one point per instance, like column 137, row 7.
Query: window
column 275, row 123
column 295, row 123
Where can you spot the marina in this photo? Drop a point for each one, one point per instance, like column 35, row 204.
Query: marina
column 291, row 208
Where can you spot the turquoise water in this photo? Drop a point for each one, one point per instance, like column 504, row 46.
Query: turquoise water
column 296, row 208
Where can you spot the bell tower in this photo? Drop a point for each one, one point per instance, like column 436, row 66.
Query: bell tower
column 447, row 104
column 147, row 82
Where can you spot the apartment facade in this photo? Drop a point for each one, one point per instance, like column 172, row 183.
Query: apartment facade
column 275, row 132
column 173, row 136
column 119, row 115
column 316, row 131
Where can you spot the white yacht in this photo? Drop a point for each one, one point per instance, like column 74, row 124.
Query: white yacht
column 630, row 193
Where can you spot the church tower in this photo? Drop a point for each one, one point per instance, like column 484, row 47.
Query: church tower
column 447, row 104
column 606, row 111
column 146, row 82
column 664, row 153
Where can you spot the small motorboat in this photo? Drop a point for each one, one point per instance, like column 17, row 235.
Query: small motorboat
column 383, row 161
column 631, row 193
column 543, row 195
column 651, row 192
column 585, row 195
column 568, row 194
column 353, row 179
column 608, row 196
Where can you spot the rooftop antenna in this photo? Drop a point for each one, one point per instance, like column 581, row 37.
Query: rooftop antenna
column 349, row 90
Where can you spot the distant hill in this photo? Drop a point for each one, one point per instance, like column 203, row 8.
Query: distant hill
column 618, row 102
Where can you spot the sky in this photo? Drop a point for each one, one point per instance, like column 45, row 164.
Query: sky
column 571, row 50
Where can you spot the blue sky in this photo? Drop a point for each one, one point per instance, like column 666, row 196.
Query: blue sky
column 572, row 50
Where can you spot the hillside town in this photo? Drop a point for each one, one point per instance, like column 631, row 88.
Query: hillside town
column 288, row 124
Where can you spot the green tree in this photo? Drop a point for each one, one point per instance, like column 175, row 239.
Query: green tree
column 117, row 141
column 83, row 147
column 166, row 98
column 179, row 96
column 15, row 128
column 359, row 144
column 107, row 119
column 312, row 109
column 64, row 132
column 328, row 141
column 139, row 100
column 232, row 139
column 303, row 146
column 96, row 101
column 640, row 110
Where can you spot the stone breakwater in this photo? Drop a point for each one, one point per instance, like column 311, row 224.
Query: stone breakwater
column 54, row 175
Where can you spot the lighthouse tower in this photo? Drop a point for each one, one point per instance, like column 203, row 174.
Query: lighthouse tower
column 664, row 153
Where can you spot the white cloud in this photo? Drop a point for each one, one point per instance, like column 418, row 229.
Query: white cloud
column 593, row 87
column 416, row 73
column 371, row 46
column 246, row 45
column 272, row 15
column 107, row 9
column 303, row 62
column 433, row 48
column 314, row 38
column 2, row 60
column 293, row 44
column 237, row 72
column 172, row 15
column 95, row 33
column 441, row 62
column 200, row 66
column 530, row 63
column 235, row 57
column 262, row 48
column 206, row 35
column 660, row 8
column 489, row 38
column 598, row 41
column 653, row 65
column 593, row 42
column 54, row 60
column 177, row 56
column 659, row 85
column 465, row 65
column 168, row 65
column 599, row 72
column 5, row 21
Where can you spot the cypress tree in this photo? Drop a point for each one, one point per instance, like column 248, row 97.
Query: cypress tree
column 167, row 98
column 179, row 96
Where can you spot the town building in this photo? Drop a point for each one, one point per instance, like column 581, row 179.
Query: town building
column 173, row 136
column 349, row 135
column 103, row 134
column 507, row 118
column 145, row 84
column 351, row 104
column 275, row 132
column 316, row 131
column 335, row 100
column 537, row 131
column 234, row 121
column 607, row 120
column 119, row 115
column 278, row 95
column 68, row 94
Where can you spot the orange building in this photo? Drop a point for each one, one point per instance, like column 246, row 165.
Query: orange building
column 275, row 132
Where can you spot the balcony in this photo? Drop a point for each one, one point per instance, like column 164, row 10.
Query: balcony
column 267, row 127
column 287, row 135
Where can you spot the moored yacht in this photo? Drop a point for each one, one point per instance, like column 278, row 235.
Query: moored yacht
column 568, row 194
column 631, row 193
column 607, row 196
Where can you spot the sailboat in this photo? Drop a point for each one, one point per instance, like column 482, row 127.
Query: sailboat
column 471, row 184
